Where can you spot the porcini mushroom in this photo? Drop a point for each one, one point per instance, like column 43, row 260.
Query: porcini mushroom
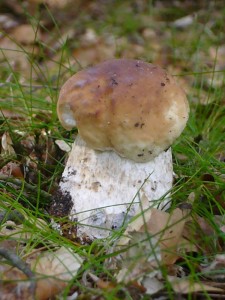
column 128, row 113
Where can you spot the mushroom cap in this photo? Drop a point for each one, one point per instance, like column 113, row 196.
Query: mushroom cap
column 129, row 106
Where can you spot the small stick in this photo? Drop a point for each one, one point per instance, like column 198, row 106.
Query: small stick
column 21, row 265
column 18, row 182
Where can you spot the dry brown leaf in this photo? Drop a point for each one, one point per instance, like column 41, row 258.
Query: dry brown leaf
column 186, row 286
column 143, row 216
column 55, row 270
column 184, row 81
column 12, row 169
column 217, row 54
column 94, row 49
column 152, row 238
column 25, row 34
column 140, row 258
column 28, row 142
column 14, row 284
column 140, row 252
column 13, row 54
column 215, row 78
column 7, row 145
column 66, row 147
column 184, row 22
column 9, row 244
column 20, row 231
column 7, row 21
column 89, row 38
column 186, row 246
column 152, row 285
column 92, row 55
column 102, row 284
column 168, row 228
column 215, row 269
column 11, row 114
column 201, row 233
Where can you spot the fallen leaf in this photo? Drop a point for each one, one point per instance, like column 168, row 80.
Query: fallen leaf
column 14, row 284
column 7, row 145
column 7, row 21
column 89, row 38
column 17, row 56
column 186, row 246
column 168, row 228
column 28, row 142
column 217, row 54
column 25, row 34
column 152, row 285
column 55, row 270
column 187, row 286
column 12, row 169
column 196, row 230
column 184, row 22
column 151, row 239
column 102, row 284
column 21, row 231
column 94, row 49
column 215, row 269
column 141, row 257
column 66, row 147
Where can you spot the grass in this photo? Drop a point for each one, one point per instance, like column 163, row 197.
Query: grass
column 30, row 94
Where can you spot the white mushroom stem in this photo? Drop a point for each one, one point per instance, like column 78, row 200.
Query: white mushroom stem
column 105, row 188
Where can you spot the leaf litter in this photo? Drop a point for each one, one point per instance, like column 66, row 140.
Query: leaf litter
column 155, row 239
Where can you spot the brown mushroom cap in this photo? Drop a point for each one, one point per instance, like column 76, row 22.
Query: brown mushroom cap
column 129, row 106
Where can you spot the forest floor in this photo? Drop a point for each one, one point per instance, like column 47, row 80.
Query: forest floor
column 42, row 43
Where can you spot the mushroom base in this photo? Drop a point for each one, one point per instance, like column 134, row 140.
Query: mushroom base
column 106, row 189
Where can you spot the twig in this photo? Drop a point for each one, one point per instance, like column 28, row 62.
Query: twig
column 20, row 183
column 17, row 262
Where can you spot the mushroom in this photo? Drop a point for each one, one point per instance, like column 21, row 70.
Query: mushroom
column 128, row 113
